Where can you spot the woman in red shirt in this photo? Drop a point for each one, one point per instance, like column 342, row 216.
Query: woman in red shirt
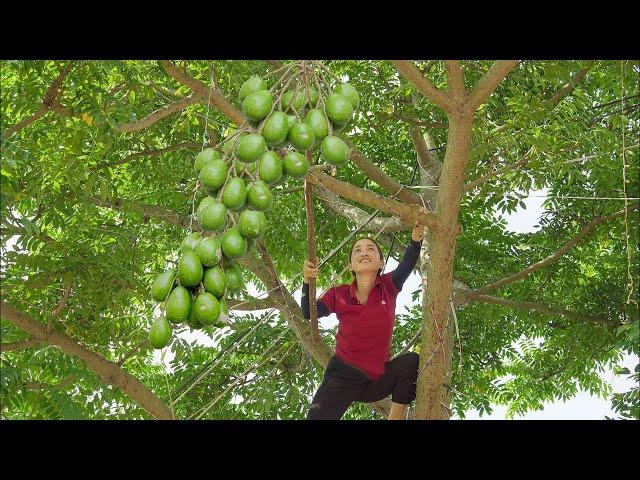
column 361, row 369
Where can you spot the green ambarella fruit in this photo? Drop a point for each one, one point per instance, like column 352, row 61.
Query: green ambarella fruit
column 234, row 193
column 259, row 197
column 212, row 216
column 162, row 285
column 334, row 150
column 296, row 164
column 215, row 281
column 190, row 242
column 234, row 245
column 291, row 121
column 257, row 105
column 253, row 84
column 204, row 157
column 297, row 103
column 316, row 120
column 223, row 319
column 229, row 142
column 252, row 224
column 349, row 92
column 301, row 136
column 250, row 147
column 193, row 321
column 178, row 305
column 312, row 96
column 209, row 251
column 234, row 278
column 207, row 308
column 270, row 167
column 275, row 128
column 160, row 333
column 205, row 202
column 189, row 269
column 251, row 167
column 339, row 109
column 213, row 174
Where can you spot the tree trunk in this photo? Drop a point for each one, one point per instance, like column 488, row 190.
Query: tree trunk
column 432, row 396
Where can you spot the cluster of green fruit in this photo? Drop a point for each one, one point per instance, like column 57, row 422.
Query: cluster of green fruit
column 238, row 182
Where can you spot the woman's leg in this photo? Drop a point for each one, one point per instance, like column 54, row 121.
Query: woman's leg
column 399, row 380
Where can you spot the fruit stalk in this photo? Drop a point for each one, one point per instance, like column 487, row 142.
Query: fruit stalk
column 308, row 197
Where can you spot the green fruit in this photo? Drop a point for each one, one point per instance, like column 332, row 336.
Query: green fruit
column 240, row 166
column 162, row 285
column 178, row 305
column 214, row 281
column 298, row 102
column 259, row 196
column 339, row 109
column 257, row 105
column 190, row 242
column 160, row 333
column 209, row 251
column 350, row 93
column 228, row 144
column 223, row 319
column 192, row 320
column 207, row 308
column 250, row 147
column 212, row 216
column 252, row 224
column 234, row 193
column 312, row 97
column 270, row 167
column 296, row 164
column 234, row 245
column 291, row 121
column 213, row 174
column 334, row 150
column 251, row 85
column 275, row 128
column 205, row 202
column 301, row 136
column 318, row 123
column 234, row 278
column 204, row 157
column 189, row 270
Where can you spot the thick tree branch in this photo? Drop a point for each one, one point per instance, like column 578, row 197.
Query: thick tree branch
column 409, row 214
column 213, row 96
column 50, row 102
column 570, row 85
column 8, row 347
column 249, row 304
column 499, row 171
column 157, row 115
column 358, row 216
column 426, row 159
column 552, row 258
column 490, row 81
column 109, row 372
column 148, row 153
column 424, row 86
column 544, row 309
column 455, row 78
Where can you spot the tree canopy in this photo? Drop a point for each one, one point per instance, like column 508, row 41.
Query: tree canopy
column 98, row 189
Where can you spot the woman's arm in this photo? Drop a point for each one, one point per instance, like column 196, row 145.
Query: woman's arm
column 323, row 311
column 411, row 254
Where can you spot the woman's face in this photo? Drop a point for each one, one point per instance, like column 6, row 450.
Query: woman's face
column 365, row 257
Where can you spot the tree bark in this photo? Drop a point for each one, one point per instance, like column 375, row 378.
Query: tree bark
column 109, row 372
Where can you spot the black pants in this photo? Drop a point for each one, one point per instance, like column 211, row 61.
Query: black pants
column 344, row 384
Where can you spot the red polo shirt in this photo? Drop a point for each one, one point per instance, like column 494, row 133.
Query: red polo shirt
column 364, row 331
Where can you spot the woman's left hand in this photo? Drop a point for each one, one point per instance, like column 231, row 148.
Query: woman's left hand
column 418, row 228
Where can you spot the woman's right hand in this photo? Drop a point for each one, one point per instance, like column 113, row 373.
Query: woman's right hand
column 309, row 270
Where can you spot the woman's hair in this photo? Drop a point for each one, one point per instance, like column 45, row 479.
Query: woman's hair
column 353, row 246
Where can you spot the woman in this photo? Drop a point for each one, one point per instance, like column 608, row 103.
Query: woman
column 361, row 369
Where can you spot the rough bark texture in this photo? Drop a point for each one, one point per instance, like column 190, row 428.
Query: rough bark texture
column 109, row 372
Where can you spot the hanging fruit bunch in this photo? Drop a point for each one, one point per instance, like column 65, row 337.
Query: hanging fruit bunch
column 270, row 146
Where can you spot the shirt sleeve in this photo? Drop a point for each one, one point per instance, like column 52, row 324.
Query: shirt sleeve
column 406, row 265
column 321, row 304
